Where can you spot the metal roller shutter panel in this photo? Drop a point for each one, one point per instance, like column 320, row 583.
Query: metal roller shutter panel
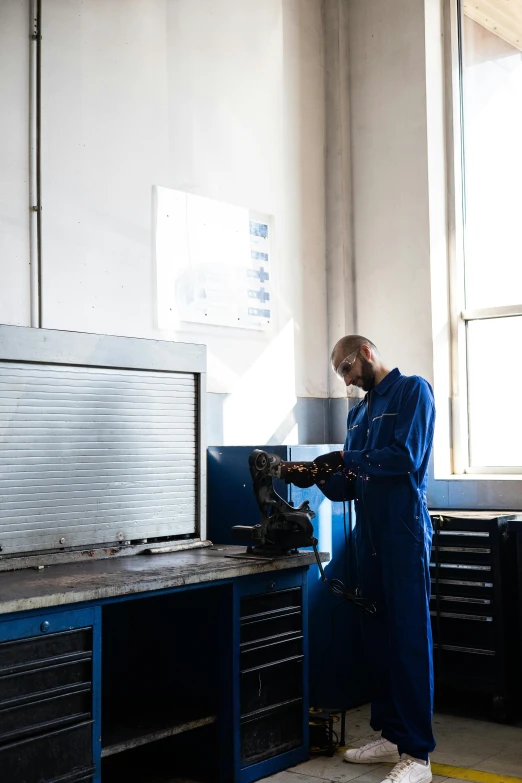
column 95, row 455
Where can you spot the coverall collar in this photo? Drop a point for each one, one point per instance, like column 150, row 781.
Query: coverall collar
column 387, row 381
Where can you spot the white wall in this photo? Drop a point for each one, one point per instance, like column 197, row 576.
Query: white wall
column 393, row 237
column 221, row 98
column 14, row 163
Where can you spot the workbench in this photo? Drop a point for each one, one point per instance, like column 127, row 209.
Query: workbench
column 183, row 666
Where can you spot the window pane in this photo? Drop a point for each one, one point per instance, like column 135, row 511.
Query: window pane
column 494, row 384
column 492, row 95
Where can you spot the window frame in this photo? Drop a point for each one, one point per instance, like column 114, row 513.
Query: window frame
column 459, row 315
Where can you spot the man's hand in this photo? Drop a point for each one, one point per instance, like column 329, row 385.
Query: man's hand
column 306, row 474
column 301, row 474
column 328, row 465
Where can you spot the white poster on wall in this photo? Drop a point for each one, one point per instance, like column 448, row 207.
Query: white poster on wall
column 214, row 262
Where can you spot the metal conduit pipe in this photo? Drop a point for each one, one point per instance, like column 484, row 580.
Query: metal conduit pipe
column 34, row 163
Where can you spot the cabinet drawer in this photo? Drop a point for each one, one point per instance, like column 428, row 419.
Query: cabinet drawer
column 46, row 624
column 24, row 686
column 462, row 555
column 462, row 587
column 459, row 631
column 259, row 655
column 271, row 734
column 64, row 754
column 464, row 539
column 462, row 605
column 39, row 650
column 271, row 602
column 44, row 715
column 271, row 685
column 458, row 572
column 464, row 666
column 268, row 627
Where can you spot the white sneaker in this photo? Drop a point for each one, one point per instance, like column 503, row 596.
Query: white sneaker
column 409, row 770
column 373, row 753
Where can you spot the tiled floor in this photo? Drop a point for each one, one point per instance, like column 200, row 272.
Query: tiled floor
column 461, row 742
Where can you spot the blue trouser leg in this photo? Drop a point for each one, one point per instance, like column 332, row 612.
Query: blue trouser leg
column 398, row 637
column 375, row 630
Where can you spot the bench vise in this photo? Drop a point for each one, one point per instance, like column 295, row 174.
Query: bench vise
column 282, row 529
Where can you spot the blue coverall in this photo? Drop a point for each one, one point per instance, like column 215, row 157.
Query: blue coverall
column 387, row 449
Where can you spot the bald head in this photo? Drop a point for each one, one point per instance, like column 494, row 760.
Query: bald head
column 347, row 345
column 357, row 361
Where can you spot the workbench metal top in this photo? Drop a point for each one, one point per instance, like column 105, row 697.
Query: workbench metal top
column 71, row 583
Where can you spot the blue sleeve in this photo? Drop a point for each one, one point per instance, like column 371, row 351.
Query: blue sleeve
column 413, row 436
column 339, row 488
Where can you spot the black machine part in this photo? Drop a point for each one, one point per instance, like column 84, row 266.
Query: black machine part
column 282, row 529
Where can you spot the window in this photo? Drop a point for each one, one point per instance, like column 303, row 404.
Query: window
column 487, row 273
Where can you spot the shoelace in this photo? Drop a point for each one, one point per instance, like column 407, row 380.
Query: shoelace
column 399, row 769
column 372, row 744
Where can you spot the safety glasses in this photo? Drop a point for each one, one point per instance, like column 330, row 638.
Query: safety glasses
column 345, row 367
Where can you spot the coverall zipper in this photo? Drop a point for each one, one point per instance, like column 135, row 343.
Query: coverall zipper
column 364, row 478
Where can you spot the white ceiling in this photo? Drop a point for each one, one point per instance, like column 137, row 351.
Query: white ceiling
column 502, row 17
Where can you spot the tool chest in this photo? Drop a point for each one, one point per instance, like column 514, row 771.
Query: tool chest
column 273, row 669
column 473, row 604
column 46, row 699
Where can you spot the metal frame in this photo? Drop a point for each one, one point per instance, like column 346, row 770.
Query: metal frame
column 34, row 162
column 454, row 146
column 46, row 346
column 458, row 314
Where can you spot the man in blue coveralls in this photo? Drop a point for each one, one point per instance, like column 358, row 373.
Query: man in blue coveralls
column 383, row 468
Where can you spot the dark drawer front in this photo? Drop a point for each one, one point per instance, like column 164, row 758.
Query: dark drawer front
column 466, row 539
column 27, row 685
column 44, row 715
column 259, row 655
column 463, row 605
column 271, row 734
column 464, row 631
column 280, row 601
column 44, row 650
column 467, row 588
column 269, row 627
column 481, row 575
column 454, row 526
column 465, row 667
column 63, row 754
column 271, row 685
column 457, row 554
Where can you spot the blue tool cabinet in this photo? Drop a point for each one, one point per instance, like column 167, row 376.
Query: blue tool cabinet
column 338, row 673
column 49, row 696
column 271, row 697
column 206, row 682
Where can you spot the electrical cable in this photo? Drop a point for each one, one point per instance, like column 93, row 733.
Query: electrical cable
column 338, row 589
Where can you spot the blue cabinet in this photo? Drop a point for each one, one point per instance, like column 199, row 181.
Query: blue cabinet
column 49, row 697
column 224, row 666
column 338, row 674
column 271, row 686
